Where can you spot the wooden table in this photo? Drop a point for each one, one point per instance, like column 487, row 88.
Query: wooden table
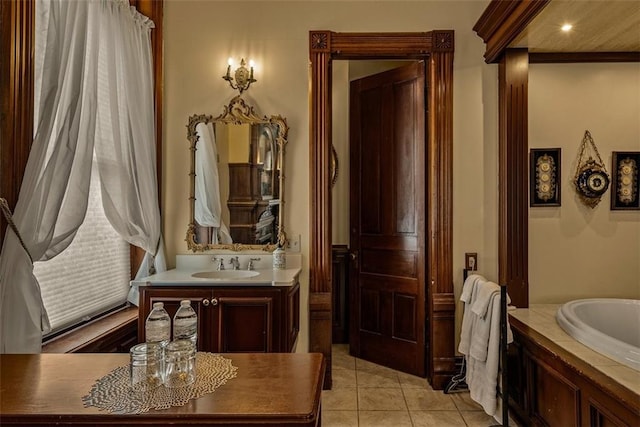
column 270, row 388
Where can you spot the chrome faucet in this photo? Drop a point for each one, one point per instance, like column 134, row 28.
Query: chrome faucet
column 250, row 265
column 235, row 263
column 220, row 261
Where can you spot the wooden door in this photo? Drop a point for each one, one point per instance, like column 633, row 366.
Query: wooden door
column 387, row 223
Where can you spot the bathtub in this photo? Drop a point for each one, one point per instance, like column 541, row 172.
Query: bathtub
column 606, row 325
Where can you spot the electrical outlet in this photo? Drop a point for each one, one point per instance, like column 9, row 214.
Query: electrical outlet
column 471, row 261
column 293, row 243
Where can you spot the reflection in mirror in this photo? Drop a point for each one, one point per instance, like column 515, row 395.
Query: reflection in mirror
column 236, row 180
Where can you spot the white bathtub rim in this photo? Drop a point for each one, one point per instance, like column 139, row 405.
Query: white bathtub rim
column 613, row 348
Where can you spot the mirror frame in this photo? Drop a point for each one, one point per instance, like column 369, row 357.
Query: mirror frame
column 237, row 112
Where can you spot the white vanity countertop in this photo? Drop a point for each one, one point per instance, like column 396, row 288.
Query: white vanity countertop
column 187, row 265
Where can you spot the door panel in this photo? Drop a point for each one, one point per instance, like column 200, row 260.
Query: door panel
column 398, row 263
column 404, row 317
column 387, row 218
column 370, row 309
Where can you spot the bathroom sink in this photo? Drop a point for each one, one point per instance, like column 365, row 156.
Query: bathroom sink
column 225, row 274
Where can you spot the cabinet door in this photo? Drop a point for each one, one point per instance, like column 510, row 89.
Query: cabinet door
column 246, row 321
column 201, row 301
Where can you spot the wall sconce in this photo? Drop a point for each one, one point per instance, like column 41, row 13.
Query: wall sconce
column 243, row 76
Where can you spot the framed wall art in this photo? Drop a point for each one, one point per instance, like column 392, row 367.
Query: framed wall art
column 624, row 182
column 544, row 177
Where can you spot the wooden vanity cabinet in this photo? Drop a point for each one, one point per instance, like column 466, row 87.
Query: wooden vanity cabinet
column 244, row 319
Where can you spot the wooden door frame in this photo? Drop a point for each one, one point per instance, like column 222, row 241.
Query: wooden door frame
column 436, row 48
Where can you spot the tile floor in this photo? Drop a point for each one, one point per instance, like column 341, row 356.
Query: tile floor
column 366, row 394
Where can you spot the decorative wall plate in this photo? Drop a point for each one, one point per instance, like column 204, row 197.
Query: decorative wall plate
column 592, row 181
column 544, row 177
column 591, row 178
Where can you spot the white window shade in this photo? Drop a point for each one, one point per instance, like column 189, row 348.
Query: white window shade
column 92, row 275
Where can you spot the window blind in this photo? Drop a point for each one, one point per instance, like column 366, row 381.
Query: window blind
column 92, row 275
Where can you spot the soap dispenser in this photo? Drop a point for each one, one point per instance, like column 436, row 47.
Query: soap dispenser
column 279, row 259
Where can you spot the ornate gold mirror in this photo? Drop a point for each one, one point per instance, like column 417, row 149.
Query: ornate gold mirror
column 237, row 180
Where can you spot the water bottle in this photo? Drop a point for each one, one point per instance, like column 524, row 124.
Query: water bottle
column 158, row 325
column 185, row 323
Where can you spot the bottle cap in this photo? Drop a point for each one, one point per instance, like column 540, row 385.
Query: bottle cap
column 158, row 305
column 185, row 302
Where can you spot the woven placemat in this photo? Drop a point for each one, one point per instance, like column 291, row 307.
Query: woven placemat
column 113, row 392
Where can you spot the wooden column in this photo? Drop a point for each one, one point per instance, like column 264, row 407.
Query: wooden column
column 440, row 297
column 513, row 239
column 320, row 318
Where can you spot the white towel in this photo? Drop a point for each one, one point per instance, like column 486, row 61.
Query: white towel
column 468, row 296
column 207, row 206
column 468, row 286
column 484, row 294
column 480, row 341
column 482, row 376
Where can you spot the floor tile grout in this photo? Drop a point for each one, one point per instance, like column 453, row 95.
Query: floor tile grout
column 379, row 377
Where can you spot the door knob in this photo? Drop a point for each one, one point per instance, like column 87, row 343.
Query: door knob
column 354, row 257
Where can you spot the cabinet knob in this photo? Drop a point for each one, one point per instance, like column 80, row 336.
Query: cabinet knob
column 205, row 302
column 214, row 301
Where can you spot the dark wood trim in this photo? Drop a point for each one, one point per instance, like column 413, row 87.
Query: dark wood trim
column 116, row 332
column 513, row 222
column 320, row 329
column 154, row 9
column 596, row 390
column 340, row 305
column 440, row 298
column 579, row 57
column 320, row 190
column 502, row 21
column 436, row 48
column 16, row 97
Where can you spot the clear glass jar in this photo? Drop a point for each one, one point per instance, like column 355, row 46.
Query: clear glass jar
column 180, row 363
column 146, row 366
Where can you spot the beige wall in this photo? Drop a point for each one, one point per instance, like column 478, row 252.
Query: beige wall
column 201, row 35
column 576, row 251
